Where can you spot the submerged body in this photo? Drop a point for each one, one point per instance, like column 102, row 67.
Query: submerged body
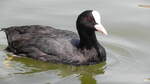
column 53, row 45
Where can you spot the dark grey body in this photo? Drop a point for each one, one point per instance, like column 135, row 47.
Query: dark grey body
column 59, row 46
column 48, row 44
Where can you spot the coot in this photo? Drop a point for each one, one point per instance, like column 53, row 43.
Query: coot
column 60, row 46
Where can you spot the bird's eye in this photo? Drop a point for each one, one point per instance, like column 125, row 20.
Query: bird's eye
column 89, row 19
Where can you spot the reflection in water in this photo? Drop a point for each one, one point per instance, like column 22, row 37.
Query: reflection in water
column 7, row 61
column 144, row 6
column 87, row 79
column 85, row 73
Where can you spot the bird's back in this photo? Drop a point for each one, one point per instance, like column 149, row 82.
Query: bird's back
column 18, row 36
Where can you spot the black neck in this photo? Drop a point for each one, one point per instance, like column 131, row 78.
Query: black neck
column 87, row 39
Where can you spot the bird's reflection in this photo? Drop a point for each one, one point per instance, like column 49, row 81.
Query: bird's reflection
column 86, row 74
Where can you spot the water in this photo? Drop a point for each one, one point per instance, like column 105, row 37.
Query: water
column 127, row 44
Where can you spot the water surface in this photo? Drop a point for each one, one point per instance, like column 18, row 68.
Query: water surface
column 127, row 44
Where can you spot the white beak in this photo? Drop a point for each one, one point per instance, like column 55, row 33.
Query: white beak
column 100, row 28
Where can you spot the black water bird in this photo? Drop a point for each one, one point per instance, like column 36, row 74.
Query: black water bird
column 60, row 46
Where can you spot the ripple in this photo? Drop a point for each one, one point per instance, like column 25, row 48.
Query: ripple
column 122, row 52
